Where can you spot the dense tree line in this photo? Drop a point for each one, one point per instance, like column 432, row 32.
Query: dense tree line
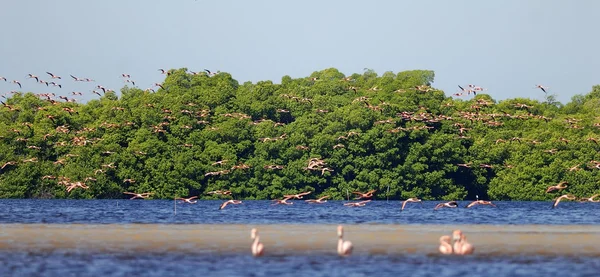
column 393, row 133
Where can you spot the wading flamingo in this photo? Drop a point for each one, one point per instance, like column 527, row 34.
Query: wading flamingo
column 461, row 245
column 445, row 245
column 344, row 248
column 257, row 246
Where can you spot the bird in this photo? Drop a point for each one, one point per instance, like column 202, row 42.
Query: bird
column 139, row 195
column 282, row 201
column 467, row 165
column 590, row 199
column 18, row 83
column 357, row 204
column 8, row 163
column 564, row 196
column 451, row 204
column 235, row 202
column 257, row 247
column 543, row 88
column 297, row 196
column 188, row 200
column 480, row 202
column 53, row 76
column 366, row 195
column 344, row 248
column 445, row 245
column 412, row 199
column 317, row 201
column 461, row 245
column 558, row 187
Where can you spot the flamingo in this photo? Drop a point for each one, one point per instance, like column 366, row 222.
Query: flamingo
column 480, row 202
column 8, row 163
column 257, row 246
column 318, row 201
column 297, row 196
column 188, row 200
column 282, row 201
column 357, row 204
column 18, row 83
column 412, row 199
column 560, row 186
column 366, row 195
column 53, row 76
column 451, row 204
column 564, row 196
column 543, row 88
column 344, row 248
column 139, row 195
column 235, row 202
column 445, row 245
column 461, row 245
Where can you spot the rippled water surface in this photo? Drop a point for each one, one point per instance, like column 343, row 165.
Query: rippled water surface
column 161, row 238
column 262, row 212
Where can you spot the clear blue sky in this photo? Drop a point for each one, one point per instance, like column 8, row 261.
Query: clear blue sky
column 507, row 46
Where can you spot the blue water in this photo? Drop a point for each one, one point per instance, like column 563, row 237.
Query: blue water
column 262, row 212
column 88, row 262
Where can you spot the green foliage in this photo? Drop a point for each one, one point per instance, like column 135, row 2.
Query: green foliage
column 391, row 133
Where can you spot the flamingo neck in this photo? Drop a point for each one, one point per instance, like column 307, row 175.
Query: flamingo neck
column 255, row 244
column 340, row 245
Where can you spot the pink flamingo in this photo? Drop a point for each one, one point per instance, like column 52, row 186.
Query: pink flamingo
column 257, row 246
column 461, row 245
column 445, row 245
column 344, row 248
column 412, row 199
column 235, row 202
column 318, row 201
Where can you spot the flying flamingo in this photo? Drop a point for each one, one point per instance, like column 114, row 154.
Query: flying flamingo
column 344, row 248
column 461, row 245
column 451, row 204
column 318, row 201
column 297, row 196
column 282, row 201
column 565, row 196
column 8, row 163
column 53, row 76
column 412, row 199
column 543, row 88
column 139, row 195
column 235, row 202
column 357, row 204
column 560, row 186
column 18, row 83
column 590, row 199
column 445, row 246
column 188, row 200
column 480, row 202
column 257, row 246
column 366, row 195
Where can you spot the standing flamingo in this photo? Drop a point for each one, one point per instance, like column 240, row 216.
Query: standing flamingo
column 461, row 245
column 445, row 246
column 344, row 248
column 257, row 246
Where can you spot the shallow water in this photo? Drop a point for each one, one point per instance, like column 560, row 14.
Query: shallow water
column 262, row 212
column 105, row 238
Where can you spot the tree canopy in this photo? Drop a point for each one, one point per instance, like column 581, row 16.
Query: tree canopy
column 328, row 133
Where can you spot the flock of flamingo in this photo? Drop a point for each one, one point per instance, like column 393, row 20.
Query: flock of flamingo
column 457, row 244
